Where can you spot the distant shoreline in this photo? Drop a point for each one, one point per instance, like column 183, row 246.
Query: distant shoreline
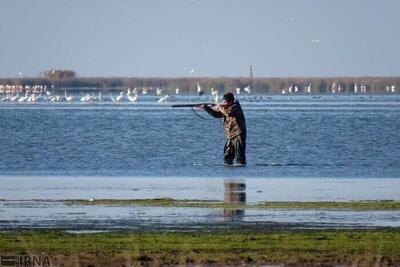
column 299, row 85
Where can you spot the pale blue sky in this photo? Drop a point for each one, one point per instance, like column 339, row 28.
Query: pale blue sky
column 162, row 38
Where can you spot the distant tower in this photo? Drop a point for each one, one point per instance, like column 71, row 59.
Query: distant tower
column 251, row 77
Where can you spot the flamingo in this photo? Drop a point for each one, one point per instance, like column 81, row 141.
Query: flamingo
column 118, row 98
column 333, row 88
column 14, row 97
column 68, row 98
column 216, row 98
column 40, row 97
column 363, row 88
column 86, row 98
column 24, row 98
column 164, row 99
column 290, row 89
column 247, row 89
column 132, row 98
column 6, row 98
column 55, row 98
column 99, row 97
column 199, row 90
column 32, row 98
column 308, row 90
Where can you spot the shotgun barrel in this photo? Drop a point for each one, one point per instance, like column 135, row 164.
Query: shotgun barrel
column 188, row 105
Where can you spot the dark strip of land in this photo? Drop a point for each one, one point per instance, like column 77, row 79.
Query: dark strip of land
column 297, row 248
column 169, row 202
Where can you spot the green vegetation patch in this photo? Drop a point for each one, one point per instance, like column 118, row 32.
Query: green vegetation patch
column 332, row 247
column 370, row 204
column 163, row 202
column 169, row 202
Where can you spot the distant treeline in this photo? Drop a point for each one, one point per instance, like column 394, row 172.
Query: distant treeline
column 222, row 84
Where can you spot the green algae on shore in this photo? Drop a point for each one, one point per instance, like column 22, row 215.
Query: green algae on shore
column 170, row 202
column 311, row 248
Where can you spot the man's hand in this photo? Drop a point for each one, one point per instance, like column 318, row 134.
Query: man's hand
column 202, row 105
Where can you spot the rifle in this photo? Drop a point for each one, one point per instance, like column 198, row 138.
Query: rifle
column 191, row 105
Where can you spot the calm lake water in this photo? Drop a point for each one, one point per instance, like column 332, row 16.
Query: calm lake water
column 299, row 136
column 300, row 148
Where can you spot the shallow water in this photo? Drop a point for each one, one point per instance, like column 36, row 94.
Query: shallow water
column 30, row 215
column 257, row 189
column 299, row 136
column 300, row 148
column 30, row 203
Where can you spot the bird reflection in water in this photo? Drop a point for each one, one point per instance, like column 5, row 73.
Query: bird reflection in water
column 234, row 194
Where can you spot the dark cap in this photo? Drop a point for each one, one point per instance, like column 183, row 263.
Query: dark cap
column 229, row 97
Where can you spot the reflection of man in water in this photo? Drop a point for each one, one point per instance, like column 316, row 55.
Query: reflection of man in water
column 234, row 125
column 235, row 194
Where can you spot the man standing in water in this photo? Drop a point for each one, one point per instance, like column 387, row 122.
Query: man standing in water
column 234, row 124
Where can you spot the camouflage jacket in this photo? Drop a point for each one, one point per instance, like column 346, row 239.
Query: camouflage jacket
column 233, row 119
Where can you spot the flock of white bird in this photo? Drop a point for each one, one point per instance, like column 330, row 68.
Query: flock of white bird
column 334, row 89
column 40, row 93
column 51, row 96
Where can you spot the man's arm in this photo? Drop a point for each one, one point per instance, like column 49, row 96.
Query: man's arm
column 224, row 111
column 212, row 112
